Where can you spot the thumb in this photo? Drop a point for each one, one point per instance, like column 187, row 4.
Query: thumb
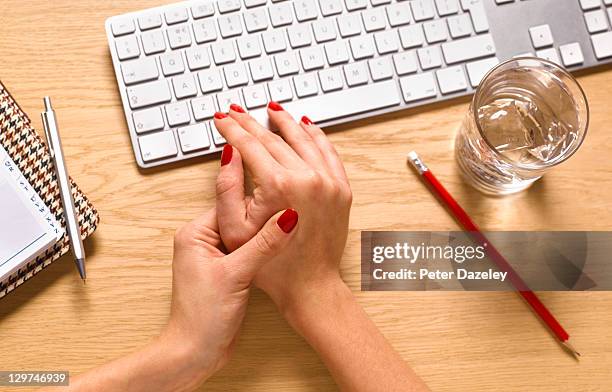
column 267, row 243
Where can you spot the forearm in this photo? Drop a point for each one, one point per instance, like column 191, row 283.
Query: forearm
column 160, row 366
column 356, row 353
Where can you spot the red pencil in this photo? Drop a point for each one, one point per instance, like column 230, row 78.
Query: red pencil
column 468, row 224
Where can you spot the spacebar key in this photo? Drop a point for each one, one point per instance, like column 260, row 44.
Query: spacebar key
column 346, row 102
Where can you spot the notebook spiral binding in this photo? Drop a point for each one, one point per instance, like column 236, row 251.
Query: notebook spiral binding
column 31, row 155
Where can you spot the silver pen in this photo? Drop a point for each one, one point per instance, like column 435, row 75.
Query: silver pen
column 70, row 213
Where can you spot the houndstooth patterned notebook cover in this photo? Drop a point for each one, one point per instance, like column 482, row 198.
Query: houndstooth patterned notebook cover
column 30, row 154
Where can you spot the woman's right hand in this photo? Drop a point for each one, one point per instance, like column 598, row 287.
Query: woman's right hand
column 300, row 170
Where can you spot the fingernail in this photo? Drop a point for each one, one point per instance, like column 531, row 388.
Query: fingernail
column 226, row 155
column 287, row 220
column 306, row 120
column 220, row 116
column 237, row 108
column 275, row 106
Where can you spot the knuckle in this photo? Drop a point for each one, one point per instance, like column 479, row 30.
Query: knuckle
column 182, row 235
column 225, row 183
column 281, row 183
column 265, row 243
column 346, row 195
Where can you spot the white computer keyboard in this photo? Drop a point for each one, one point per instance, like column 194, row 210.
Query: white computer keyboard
column 332, row 60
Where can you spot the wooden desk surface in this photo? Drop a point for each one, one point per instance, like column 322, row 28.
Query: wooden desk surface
column 456, row 341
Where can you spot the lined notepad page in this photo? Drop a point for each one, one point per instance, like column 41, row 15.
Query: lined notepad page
column 27, row 227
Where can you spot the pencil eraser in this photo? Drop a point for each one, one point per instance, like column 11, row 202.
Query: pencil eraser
column 412, row 155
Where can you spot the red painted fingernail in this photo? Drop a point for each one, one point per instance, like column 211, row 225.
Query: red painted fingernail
column 287, row 220
column 306, row 120
column 220, row 116
column 226, row 155
column 237, row 108
column 275, row 106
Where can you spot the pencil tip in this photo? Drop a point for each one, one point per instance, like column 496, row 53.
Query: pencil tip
column 571, row 349
column 84, row 281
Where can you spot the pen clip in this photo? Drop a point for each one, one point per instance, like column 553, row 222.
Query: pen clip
column 45, row 121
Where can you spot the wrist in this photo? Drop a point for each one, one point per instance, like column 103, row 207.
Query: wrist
column 315, row 303
column 184, row 359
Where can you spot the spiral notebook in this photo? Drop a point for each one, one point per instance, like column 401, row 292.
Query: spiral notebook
column 30, row 201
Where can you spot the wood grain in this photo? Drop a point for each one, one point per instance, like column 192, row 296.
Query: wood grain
column 455, row 341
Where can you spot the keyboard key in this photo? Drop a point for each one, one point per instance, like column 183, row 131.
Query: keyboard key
column 228, row 5
column 324, row 30
column 193, row 137
column 137, row 71
column 596, row 21
column 477, row 13
column 571, row 54
column 248, row 46
column 435, row 31
column 374, row 19
column 549, row 54
column 451, row 79
column 122, row 26
column 602, row 44
column 147, row 94
column 330, row 7
column 157, row 145
column 280, row 90
column 305, row 9
column 312, row 58
column 230, row 25
column 226, row 98
column 261, row 69
column 417, row 87
column 149, row 21
column 153, row 42
column 299, row 35
column 202, row 9
column 235, row 75
column 176, row 15
column 254, row 3
column 405, row 62
column 353, row 5
column 343, row 103
column 356, row 74
column 281, row 14
column 223, row 52
column 127, row 47
column 429, row 57
column 179, row 37
column 362, row 47
column 203, row 107
column 197, row 58
column 255, row 96
column 422, row 9
column 331, row 79
column 541, row 36
column 468, row 48
column 305, row 85
column 386, row 42
column 590, row 4
column 177, row 113
column 460, row 25
column 447, row 7
column 286, row 64
column 172, row 63
column 336, row 52
column 184, row 86
column 349, row 25
column 210, row 81
column 255, row 20
column 274, row 41
column 411, row 36
column 477, row 69
column 380, row 68
column 398, row 14
column 205, row 31
column 148, row 120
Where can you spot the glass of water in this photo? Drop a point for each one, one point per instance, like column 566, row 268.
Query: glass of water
column 527, row 115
